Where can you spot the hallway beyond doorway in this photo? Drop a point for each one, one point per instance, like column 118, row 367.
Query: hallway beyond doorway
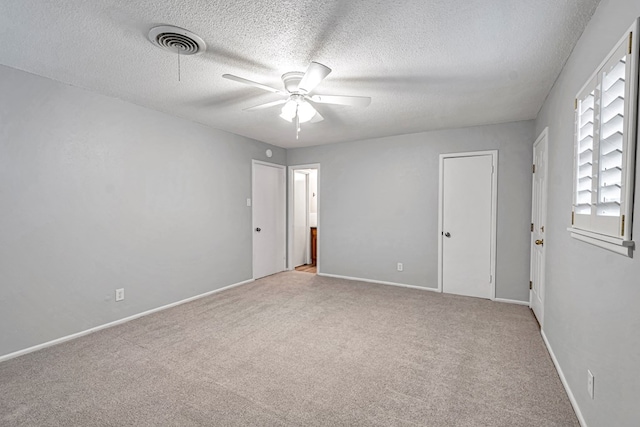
column 307, row 268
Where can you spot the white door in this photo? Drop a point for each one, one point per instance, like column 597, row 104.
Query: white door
column 300, row 218
column 269, row 232
column 538, row 221
column 467, row 225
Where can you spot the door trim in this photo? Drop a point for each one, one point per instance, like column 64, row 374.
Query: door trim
column 253, row 224
column 544, row 136
column 494, row 209
column 290, row 178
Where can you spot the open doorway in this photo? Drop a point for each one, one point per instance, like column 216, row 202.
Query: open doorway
column 303, row 218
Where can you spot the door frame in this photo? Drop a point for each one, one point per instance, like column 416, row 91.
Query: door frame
column 284, row 210
column 544, row 137
column 290, row 179
column 494, row 212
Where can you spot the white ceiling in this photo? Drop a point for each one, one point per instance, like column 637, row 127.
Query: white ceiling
column 426, row 64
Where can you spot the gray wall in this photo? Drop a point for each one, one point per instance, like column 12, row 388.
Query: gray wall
column 379, row 204
column 98, row 194
column 592, row 318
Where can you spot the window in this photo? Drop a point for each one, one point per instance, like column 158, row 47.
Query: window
column 605, row 139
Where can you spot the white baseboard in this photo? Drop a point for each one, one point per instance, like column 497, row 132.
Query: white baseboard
column 114, row 323
column 512, row 301
column 402, row 285
column 572, row 398
column 380, row 282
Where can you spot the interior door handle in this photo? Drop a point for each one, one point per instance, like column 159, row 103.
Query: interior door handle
column 540, row 242
column 258, row 229
column 447, row 234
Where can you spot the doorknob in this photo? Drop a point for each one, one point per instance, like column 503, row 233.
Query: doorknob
column 540, row 242
column 447, row 234
column 258, row 229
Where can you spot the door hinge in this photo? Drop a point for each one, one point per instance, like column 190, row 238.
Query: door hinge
column 575, row 104
column 532, row 227
column 533, row 169
column 491, row 278
column 530, row 284
column 573, row 217
column 622, row 233
column 630, row 42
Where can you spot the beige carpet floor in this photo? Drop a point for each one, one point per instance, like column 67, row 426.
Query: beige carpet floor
column 295, row 349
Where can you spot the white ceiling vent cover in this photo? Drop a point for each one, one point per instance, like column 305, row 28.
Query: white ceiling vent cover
column 176, row 39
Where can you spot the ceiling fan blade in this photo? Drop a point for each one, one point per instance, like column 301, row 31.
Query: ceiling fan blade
column 316, row 72
column 352, row 101
column 267, row 105
column 317, row 118
column 251, row 83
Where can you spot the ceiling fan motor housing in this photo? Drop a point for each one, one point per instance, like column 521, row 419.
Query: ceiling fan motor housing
column 292, row 80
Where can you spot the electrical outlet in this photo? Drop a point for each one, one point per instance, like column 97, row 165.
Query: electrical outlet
column 119, row 294
column 590, row 383
column 400, row 266
column 248, row 202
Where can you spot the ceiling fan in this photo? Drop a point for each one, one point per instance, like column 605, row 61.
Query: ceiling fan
column 298, row 101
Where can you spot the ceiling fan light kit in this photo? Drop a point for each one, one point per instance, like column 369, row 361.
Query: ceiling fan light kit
column 298, row 105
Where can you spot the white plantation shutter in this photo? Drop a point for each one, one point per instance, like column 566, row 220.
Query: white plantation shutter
column 585, row 126
column 605, row 139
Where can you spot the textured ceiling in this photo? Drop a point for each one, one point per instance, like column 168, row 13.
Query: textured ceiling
column 425, row 64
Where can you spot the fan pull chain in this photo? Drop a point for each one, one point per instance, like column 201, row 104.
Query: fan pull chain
column 179, row 64
column 297, row 123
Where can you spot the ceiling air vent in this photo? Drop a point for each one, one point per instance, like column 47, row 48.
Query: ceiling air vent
column 176, row 39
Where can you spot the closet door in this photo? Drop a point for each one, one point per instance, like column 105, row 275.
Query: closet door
column 467, row 195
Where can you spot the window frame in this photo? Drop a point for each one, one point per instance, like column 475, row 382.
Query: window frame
column 612, row 232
